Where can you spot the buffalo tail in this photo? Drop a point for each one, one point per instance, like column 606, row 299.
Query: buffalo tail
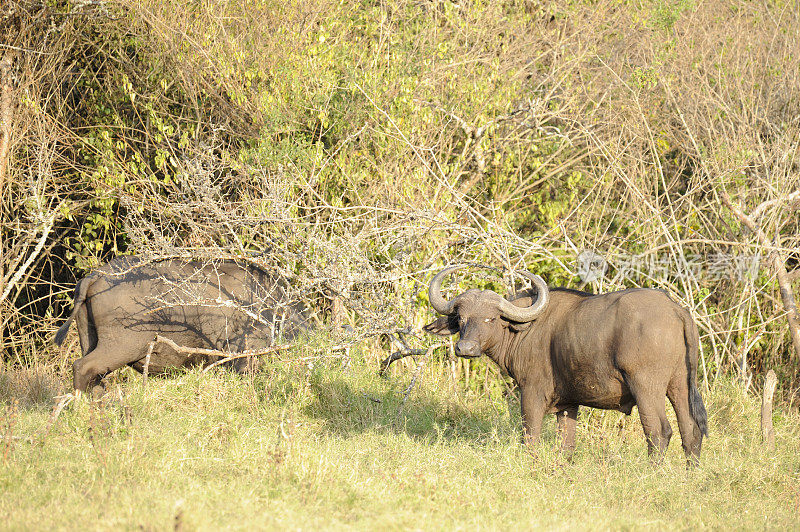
column 79, row 296
column 696, row 407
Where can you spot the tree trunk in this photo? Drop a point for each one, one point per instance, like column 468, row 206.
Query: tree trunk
column 6, row 119
column 6, row 114
column 778, row 264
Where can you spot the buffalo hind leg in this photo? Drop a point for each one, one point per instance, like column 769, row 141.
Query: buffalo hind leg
column 691, row 438
column 653, row 415
column 567, row 420
column 86, row 331
column 103, row 359
column 657, row 430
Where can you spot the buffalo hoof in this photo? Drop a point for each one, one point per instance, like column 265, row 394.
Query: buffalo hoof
column 98, row 391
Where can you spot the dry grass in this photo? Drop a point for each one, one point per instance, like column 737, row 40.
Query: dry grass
column 29, row 387
column 328, row 447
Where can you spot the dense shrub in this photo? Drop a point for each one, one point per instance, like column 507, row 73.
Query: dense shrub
column 360, row 146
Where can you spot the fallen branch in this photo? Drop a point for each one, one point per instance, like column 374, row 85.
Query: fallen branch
column 246, row 354
column 227, row 356
column 417, row 373
column 398, row 355
column 404, row 351
column 63, row 401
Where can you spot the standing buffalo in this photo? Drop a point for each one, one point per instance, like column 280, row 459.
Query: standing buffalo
column 223, row 305
column 567, row 348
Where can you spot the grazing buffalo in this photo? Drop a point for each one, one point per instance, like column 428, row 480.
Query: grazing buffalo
column 224, row 305
column 565, row 348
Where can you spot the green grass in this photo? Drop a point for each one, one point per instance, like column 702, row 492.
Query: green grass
column 336, row 448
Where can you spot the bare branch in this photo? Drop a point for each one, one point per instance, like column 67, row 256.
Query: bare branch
column 47, row 226
column 792, row 201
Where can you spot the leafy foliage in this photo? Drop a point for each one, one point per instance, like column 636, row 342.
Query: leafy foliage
column 362, row 145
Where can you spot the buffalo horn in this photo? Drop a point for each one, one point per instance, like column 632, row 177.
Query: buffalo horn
column 438, row 302
column 522, row 314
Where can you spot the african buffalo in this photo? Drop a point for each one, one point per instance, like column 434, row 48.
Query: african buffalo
column 566, row 348
column 221, row 304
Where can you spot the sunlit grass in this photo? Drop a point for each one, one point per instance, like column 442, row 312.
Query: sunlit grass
column 333, row 447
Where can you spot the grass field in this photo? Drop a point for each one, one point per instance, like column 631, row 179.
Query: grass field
column 351, row 149
column 338, row 447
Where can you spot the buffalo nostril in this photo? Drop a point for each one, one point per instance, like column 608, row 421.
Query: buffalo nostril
column 467, row 349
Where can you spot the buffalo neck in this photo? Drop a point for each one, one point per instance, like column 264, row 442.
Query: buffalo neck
column 513, row 351
column 519, row 350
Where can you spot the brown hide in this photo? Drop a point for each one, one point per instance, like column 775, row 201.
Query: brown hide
column 609, row 351
column 222, row 305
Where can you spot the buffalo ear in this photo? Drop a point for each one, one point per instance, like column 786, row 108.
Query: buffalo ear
column 444, row 326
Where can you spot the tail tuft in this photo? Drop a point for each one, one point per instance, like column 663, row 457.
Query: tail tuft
column 62, row 332
column 79, row 296
column 697, row 409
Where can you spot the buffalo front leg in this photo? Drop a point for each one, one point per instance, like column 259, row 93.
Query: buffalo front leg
column 533, row 409
column 567, row 421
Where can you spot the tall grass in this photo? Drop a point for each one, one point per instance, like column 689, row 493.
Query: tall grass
column 339, row 447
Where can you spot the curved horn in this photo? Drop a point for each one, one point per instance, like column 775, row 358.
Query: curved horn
column 522, row 314
column 438, row 302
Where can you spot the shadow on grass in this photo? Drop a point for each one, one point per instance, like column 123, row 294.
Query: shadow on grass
column 349, row 409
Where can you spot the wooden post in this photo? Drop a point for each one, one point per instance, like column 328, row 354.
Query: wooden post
column 767, row 431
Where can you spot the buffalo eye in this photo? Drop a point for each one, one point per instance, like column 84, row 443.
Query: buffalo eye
column 489, row 320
